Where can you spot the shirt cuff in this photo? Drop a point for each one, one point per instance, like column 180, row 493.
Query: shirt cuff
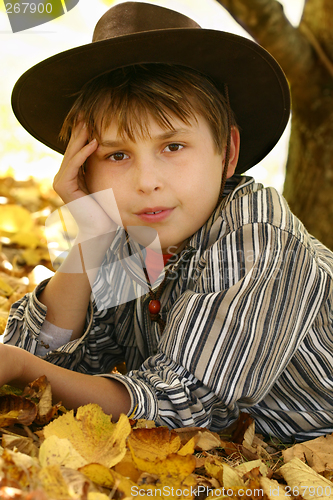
column 144, row 403
column 36, row 311
column 52, row 337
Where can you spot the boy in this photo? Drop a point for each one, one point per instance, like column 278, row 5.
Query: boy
column 241, row 316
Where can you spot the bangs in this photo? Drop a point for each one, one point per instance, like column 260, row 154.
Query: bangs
column 131, row 113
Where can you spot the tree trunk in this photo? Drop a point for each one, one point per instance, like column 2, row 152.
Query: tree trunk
column 306, row 56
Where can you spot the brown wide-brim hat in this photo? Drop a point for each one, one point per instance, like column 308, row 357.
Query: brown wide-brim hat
column 136, row 33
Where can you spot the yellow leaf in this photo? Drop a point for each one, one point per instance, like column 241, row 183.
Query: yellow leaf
column 93, row 434
column 5, row 288
column 304, row 481
column 34, row 257
column 173, row 465
column 152, row 444
column 107, row 478
column 96, row 495
column 230, row 477
column 226, row 475
column 14, row 219
column 189, row 447
column 3, row 324
column 248, row 466
column 57, row 451
column 171, row 488
column 53, row 483
column 127, row 468
column 29, row 240
column 214, row 467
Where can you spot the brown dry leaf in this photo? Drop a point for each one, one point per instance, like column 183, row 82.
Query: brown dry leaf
column 16, row 409
column 78, row 484
column 93, row 434
column 273, row 489
column 249, row 437
column 20, row 443
column 207, row 441
column 318, row 453
column 41, row 389
column 304, row 481
column 152, row 444
column 187, row 433
column 207, row 482
column 241, row 425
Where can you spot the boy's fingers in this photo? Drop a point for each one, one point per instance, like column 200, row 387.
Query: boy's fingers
column 69, row 169
column 76, row 143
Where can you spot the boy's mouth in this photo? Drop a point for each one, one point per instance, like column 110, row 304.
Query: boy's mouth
column 154, row 214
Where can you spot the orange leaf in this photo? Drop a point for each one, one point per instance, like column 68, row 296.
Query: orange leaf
column 152, row 444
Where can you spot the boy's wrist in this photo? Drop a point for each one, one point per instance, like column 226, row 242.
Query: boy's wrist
column 12, row 360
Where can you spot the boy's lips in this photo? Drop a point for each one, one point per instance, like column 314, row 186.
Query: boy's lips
column 154, row 214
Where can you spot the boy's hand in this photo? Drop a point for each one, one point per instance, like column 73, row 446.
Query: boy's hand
column 94, row 213
column 19, row 367
column 69, row 181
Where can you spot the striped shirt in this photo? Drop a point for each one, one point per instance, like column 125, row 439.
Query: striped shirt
column 248, row 312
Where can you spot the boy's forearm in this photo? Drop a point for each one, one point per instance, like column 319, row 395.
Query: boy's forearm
column 67, row 294
column 19, row 368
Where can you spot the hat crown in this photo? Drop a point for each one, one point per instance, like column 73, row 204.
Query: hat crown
column 129, row 18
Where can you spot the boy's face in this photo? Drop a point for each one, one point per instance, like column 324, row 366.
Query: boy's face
column 175, row 173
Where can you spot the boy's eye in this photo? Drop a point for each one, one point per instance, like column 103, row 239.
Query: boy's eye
column 118, row 156
column 173, row 147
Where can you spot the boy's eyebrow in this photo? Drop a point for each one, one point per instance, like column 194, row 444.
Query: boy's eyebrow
column 165, row 135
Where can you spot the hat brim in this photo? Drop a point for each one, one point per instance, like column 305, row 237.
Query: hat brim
column 258, row 90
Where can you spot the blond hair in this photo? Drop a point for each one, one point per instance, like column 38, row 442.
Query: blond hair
column 131, row 94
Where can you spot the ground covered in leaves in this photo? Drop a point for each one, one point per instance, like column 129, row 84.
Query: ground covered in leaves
column 47, row 453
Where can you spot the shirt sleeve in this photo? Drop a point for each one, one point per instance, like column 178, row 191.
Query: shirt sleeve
column 94, row 352
column 229, row 338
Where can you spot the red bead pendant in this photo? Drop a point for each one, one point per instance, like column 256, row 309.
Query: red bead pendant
column 154, row 306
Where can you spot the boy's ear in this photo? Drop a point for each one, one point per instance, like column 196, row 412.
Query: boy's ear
column 234, row 151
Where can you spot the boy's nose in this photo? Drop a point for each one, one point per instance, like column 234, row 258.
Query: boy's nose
column 147, row 175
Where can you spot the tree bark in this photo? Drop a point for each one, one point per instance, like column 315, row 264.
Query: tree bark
column 306, row 55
